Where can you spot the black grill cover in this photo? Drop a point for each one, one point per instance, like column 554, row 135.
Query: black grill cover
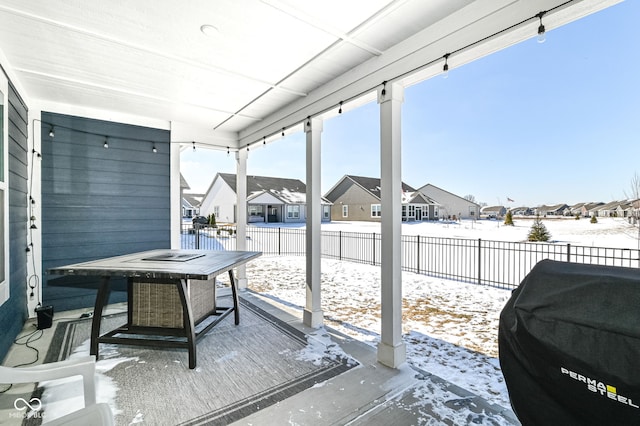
column 569, row 340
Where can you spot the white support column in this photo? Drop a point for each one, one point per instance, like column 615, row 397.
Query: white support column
column 175, row 196
column 313, row 316
column 241, row 213
column 391, row 349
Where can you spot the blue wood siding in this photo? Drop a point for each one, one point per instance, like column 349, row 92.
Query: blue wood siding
column 99, row 202
column 13, row 313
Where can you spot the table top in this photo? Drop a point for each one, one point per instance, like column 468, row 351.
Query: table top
column 162, row 263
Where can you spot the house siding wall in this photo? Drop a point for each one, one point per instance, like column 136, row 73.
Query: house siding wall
column 99, row 202
column 13, row 313
column 223, row 196
column 358, row 200
column 451, row 204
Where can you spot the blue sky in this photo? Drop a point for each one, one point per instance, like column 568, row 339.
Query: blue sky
column 557, row 122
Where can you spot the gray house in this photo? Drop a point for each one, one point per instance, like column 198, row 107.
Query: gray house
column 553, row 210
column 451, row 204
column 493, row 212
column 357, row 198
column 269, row 199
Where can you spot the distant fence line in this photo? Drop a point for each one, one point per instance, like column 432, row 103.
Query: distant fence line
column 494, row 263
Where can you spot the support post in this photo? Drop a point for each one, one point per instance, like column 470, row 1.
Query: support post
column 241, row 213
column 391, row 349
column 313, row 316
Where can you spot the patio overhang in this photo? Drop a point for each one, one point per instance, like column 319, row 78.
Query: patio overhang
column 269, row 66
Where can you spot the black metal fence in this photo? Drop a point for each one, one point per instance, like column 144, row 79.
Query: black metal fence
column 495, row 263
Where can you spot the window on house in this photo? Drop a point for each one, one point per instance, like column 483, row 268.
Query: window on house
column 255, row 210
column 216, row 211
column 326, row 212
column 345, row 211
column 376, row 210
column 293, row 212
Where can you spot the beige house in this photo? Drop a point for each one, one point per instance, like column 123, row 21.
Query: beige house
column 357, row 198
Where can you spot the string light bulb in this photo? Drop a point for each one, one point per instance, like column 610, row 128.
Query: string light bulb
column 106, row 143
column 264, row 140
column 541, row 30
column 154, row 149
column 445, row 67
column 283, row 132
column 51, row 133
column 340, row 109
column 194, row 146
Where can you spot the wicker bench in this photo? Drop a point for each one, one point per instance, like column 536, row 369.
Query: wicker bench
column 153, row 305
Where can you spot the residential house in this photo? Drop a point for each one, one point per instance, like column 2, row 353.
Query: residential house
column 190, row 202
column 357, row 198
column 611, row 209
column 583, row 209
column 625, row 209
column 191, row 205
column 451, row 205
column 553, row 210
column 493, row 212
column 522, row 211
column 269, row 200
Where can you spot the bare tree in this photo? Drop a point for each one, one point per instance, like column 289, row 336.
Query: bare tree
column 470, row 198
column 634, row 198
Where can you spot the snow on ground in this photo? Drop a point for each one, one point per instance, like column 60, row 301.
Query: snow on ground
column 450, row 328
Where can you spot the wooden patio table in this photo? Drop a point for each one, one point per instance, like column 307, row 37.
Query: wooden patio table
column 151, row 276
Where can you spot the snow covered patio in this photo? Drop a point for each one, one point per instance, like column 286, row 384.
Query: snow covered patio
column 366, row 393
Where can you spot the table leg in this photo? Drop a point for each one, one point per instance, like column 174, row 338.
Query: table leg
column 234, row 293
column 189, row 327
column 101, row 300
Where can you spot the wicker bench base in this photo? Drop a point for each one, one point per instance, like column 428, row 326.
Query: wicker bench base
column 153, row 305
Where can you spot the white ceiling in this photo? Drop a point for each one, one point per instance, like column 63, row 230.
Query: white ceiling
column 270, row 64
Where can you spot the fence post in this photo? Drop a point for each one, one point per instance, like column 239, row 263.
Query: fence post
column 279, row 241
column 196, row 229
column 340, row 245
column 373, row 260
column 479, row 260
column 568, row 252
column 418, row 254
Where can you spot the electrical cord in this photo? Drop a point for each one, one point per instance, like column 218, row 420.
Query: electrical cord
column 30, row 337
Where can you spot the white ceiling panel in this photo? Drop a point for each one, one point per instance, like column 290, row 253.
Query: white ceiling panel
column 267, row 64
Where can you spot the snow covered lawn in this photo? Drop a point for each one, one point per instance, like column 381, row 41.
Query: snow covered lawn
column 450, row 327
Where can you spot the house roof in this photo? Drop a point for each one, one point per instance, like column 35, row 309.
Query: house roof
column 369, row 184
column 486, row 209
column 289, row 191
column 266, row 65
column 444, row 190
column 194, row 200
column 417, row 197
column 183, row 183
column 552, row 208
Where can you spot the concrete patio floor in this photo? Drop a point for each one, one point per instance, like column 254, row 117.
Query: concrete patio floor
column 370, row 394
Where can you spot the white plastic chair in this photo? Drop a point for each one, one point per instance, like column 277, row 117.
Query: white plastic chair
column 92, row 413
